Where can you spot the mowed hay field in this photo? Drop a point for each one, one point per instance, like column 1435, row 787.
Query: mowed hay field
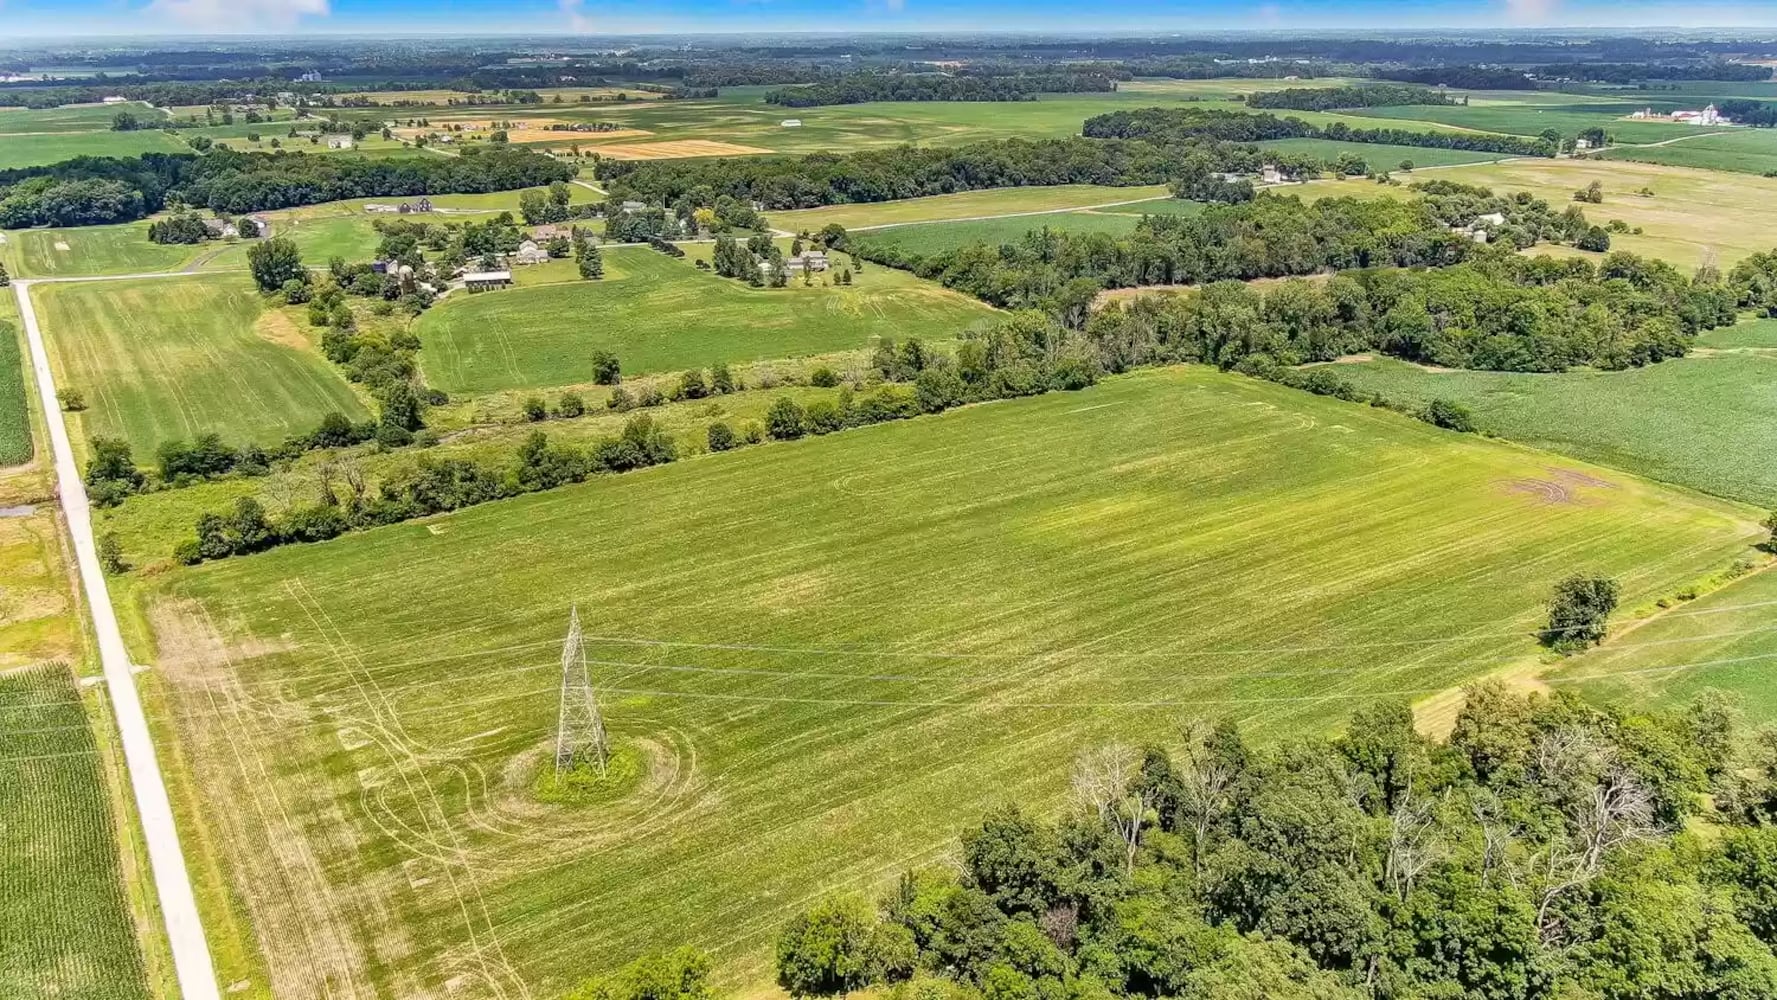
column 53, row 147
column 1379, row 156
column 1752, row 151
column 1690, row 215
column 91, row 250
column 1725, row 640
column 660, row 314
column 965, row 205
column 823, row 652
column 936, row 237
column 15, row 413
column 65, row 924
column 165, row 359
column 1708, row 421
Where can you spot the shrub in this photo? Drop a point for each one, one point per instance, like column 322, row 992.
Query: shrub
column 1448, row 415
column 824, row 416
column 692, row 386
column 823, row 377
column 721, row 437
column 1579, row 611
column 722, row 381
column 572, row 404
column 620, row 400
column 533, row 408
column 111, row 472
column 752, row 432
column 73, row 401
column 605, row 368
column 649, row 396
column 785, row 420
column 111, row 553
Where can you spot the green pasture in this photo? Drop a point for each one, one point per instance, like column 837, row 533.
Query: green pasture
column 937, row 237
column 93, row 250
column 37, row 150
column 1749, row 332
column 65, row 923
column 1723, row 641
column 1708, row 422
column 15, row 413
column 73, row 118
column 661, row 314
column 165, row 359
column 1379, row 156
column 1526, row 119
column 826, row 650
column 966, row 205
column 1751, row 151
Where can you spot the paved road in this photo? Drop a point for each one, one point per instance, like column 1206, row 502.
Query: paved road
column 191, row 954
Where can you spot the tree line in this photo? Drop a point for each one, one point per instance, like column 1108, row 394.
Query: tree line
column 788, row 182
column 96, row 190
column 1548, row 848
column 1177, row 124
column 1375, row 95
column 857, row 88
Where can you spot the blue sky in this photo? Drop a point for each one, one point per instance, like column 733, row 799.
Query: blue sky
column 135, row 17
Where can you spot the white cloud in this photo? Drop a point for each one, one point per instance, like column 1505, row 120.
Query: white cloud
column 1531, row 11
column 227, row 15
column 577, row 21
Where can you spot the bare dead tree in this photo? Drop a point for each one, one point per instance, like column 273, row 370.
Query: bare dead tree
column 1497, row 834
column 353, row 474
column 1413, row 844
column 1206, row 784
column 1106, row 782
column 1604, row 806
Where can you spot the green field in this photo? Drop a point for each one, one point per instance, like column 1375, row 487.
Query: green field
column 966, row 205
column 1724, row 641
column 36, row 150
column 1524, row 119
column 1752, row 151
column 164, row 359
column 1749, row 332
column 73, row 118
column 1379, row 156
column 15, row 413
column 65, row 924
column 936, row 237
column 89, row 250
column 825, row 650
column 1707, row 422
column 661, row 314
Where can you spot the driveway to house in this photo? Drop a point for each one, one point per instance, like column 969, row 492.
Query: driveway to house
column 172, row 883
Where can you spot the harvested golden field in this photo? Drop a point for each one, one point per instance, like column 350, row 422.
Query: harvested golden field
column 673, row 150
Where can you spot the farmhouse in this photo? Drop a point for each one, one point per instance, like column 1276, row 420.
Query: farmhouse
column 339, row 142
column 483, row 281
column 221, row 229
column 811, row 260
column 549, row 231
column 1271, row 175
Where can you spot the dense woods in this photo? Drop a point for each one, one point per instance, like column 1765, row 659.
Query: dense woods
column 1377, row 95
column 91, row 190
column 860, row 87
column 783, row 182
column 1548, row 849
column 1180, row 124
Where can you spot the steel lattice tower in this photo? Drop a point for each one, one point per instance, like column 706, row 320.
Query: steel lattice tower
column 580, row 729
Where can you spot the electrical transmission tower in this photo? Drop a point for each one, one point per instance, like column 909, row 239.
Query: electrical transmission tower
column 580, row 729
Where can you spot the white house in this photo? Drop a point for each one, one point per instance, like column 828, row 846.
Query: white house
column 116, row 100
column 1271, row 175
column 530, row 253
column 811, row 260
column 339, row 142
column 1491, row 219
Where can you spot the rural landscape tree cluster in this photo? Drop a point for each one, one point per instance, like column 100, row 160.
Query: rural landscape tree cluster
column 1549, row 849
column 1174, row 125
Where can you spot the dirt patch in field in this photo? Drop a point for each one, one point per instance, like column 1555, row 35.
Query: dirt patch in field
column 1574, row 477
column 276, row 326
column 674, row 149
column 1543, row 490
column 190, row 648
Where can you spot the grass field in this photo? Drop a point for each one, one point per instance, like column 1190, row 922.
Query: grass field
column 65, row 923
column 1691, row 214
column 660, row 314
column 1749, row 332
column 73, row 118
column 1708, row 422
column 966, row 205
column 1752, row 151
column 164, row 359
column 90, row 250
column 1378, row 155
column 824, row 651
column 936, row 237
column 1525, row 119
column 35, row 150
column 15, row 414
